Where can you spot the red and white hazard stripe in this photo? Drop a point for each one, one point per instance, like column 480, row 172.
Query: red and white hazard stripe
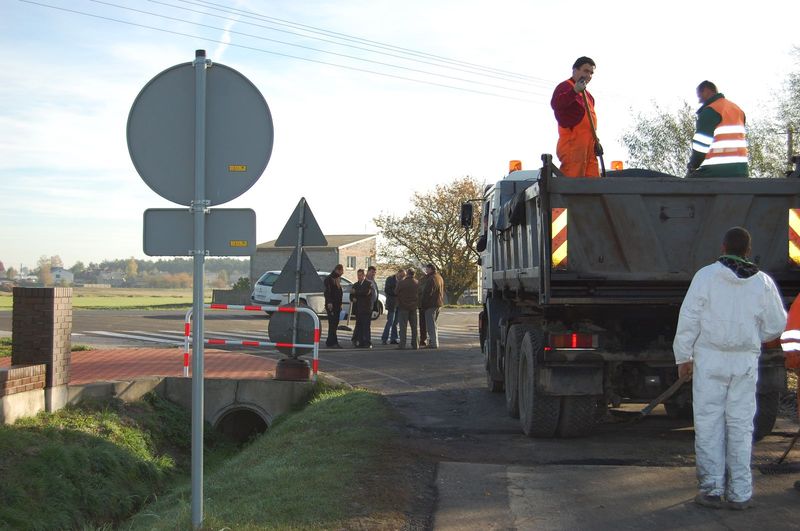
column 248, row 343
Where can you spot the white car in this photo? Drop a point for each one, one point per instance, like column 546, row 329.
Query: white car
column 262, row 295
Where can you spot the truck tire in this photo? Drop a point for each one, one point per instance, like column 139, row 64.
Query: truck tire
column 493, row 379
column 578, row 416
column 511, row 367
column 538, row 414
column 766, row 413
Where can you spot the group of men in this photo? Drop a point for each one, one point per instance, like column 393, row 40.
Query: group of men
column 731, row 307
column 405, row 299
column 719, row 145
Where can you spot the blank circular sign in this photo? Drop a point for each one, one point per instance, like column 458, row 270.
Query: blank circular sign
column 161, row 134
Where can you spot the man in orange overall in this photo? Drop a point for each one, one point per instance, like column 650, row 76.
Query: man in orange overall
column 790, row 342
column 576, row 140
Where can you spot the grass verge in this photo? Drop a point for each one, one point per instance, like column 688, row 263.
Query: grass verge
column 5, row 347
column 336, row 464
column 93, row 465
column 122, row 299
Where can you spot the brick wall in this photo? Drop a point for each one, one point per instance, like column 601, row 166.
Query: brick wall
column 21, row 378
column 41, row 331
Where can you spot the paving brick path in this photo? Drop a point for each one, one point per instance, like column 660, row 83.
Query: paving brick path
column 126, row 363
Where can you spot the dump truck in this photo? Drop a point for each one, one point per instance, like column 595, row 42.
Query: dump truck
column 581, row 282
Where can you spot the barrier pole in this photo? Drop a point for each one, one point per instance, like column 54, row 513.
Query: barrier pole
column 247, row 343
column 187, row 329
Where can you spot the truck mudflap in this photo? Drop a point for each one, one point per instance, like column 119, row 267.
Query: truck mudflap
column 570, row 380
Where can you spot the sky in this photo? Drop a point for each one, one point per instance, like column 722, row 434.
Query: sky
column 371, row 100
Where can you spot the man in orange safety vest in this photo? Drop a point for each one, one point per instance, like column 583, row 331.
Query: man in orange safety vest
column 790, row 343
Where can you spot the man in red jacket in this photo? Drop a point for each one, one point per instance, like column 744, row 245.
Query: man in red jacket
column 576, row 140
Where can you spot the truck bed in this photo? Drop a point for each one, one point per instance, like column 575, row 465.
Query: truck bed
column 638, row 240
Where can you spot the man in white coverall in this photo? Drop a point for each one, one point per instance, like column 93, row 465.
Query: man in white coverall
column 730, row 309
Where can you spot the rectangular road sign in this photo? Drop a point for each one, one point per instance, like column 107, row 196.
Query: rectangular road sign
column 170, row 232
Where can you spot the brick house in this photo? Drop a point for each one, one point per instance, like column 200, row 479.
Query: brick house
column 353, row 251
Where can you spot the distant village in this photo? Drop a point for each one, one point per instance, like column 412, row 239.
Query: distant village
column 130, row 273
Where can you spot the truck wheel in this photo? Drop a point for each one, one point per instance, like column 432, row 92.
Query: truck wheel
column 511, row 367
column 578, row 416
column 493, row 381
column 766, row 412
column 538, row 414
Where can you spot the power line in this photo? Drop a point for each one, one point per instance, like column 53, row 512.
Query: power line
column 346, row 37
column 380, row 63
column 407, row 57
column 271, row 52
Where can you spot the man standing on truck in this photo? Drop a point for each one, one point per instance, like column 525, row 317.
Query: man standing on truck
column 719, row 147
column 576, row 123
column 730, row 309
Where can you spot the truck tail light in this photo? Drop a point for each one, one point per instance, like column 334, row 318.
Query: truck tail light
column 572, row 340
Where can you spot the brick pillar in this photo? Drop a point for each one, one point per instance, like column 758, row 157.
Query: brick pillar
column 42, row 329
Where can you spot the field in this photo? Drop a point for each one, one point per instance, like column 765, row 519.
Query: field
column 123, row 298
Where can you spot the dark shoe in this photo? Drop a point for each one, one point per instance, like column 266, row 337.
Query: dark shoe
column 383, row 342
column 740, row 506
column 712, row 502
column 432, row 347
column 422, row 343
column 797, row 485
column 393, row 343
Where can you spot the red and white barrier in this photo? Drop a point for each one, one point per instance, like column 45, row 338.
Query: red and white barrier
column 187, row 329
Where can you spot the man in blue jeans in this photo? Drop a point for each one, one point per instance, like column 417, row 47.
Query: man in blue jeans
column 389, row 288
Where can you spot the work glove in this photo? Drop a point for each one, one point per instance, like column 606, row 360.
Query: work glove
column 580, row 86
column 598, row 149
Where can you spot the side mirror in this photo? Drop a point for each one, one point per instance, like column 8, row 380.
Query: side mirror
column 466, row 215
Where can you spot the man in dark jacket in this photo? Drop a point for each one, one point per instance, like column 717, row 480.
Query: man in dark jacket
column 389, row 289
column 407, row 304
column 333, row 304
column 361, row 298
column 431, row 295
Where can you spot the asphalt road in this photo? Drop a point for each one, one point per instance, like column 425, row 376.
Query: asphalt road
column 490, row 476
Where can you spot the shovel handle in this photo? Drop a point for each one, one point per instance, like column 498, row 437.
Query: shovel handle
column 671, row 390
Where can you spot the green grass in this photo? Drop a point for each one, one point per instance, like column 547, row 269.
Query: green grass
column 122, row 298
column 5, row 347
column 331, row 466
column 334, row 464
column 92, row 465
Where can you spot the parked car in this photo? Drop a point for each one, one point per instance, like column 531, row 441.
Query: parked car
column 262, row 295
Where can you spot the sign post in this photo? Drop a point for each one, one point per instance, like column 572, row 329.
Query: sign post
column 198, row 207
column 199, row 135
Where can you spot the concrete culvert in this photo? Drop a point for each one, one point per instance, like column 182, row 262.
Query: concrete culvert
column 241, row 425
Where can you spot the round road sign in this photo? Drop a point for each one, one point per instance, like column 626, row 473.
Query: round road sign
column 161, row 134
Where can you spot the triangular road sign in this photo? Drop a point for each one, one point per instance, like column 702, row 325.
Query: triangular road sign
column 301, row 217
column 309, row 279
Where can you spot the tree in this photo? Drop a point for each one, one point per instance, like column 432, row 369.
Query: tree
column 431, row 233
column 11, row 273
column 77, row 268
column 661, row 141
column 131, row 269
column 43, row 271
column 55, row 261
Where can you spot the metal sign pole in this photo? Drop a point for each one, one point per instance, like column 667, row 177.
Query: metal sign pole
column 199, row 208
column 298, row 272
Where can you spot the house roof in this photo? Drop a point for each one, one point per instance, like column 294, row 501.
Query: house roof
column 334, row 241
